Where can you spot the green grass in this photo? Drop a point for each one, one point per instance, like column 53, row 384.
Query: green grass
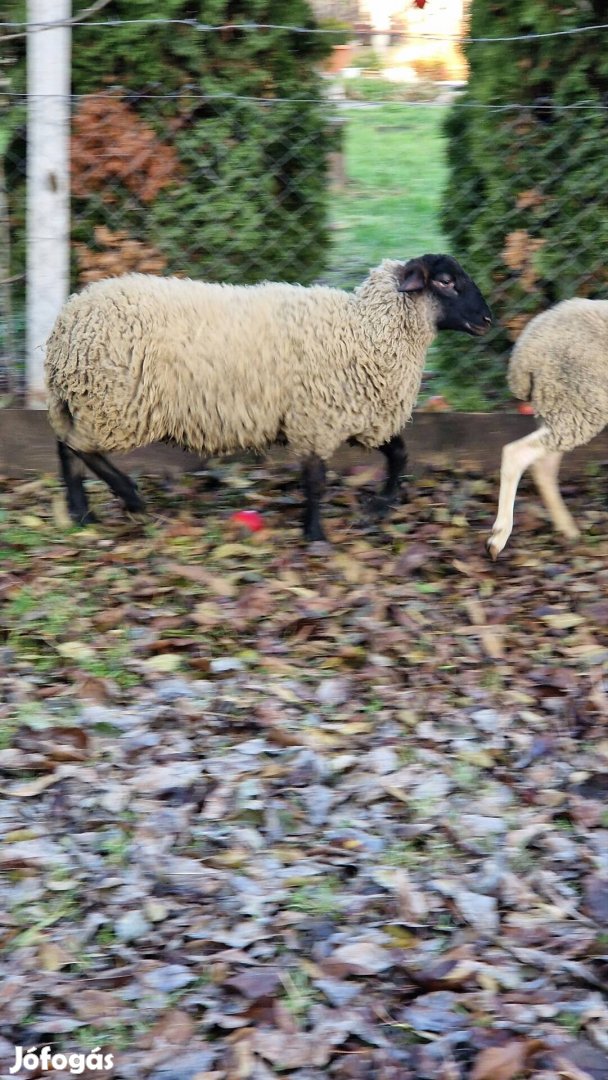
column 395, row 176
column 318, row 898
column 389, row 205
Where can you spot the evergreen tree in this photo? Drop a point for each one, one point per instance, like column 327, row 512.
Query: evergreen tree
column 200, row 153
column 527, row 148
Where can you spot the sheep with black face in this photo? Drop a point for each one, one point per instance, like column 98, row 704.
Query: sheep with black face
column 222, row 368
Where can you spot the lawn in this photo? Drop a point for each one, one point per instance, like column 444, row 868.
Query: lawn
column 388, row 205
column 396, row 172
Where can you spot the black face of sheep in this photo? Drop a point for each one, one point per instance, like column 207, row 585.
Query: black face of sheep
column 460, row 305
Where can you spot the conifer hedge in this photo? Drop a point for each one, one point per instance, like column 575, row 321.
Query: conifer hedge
column 524, row 208
column 197, row 153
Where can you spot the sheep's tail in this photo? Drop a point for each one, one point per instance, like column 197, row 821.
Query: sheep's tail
column 60, row 417
column 521, row 381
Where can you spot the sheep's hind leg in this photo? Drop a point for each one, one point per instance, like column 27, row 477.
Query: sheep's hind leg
column 118, row 482
column 313, row 484
column 72, row 473
column 516, row 458
column 545, row 473
column 396, row 460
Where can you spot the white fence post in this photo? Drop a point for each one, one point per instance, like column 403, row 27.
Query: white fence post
column 48, row 189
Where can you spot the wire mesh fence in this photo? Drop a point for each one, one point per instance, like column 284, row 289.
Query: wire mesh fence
column 242, row 188
column 229, row 189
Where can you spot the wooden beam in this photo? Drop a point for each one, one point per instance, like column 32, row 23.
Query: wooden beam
column 438, row 440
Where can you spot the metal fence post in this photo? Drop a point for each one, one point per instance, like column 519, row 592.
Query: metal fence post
column 48, row 192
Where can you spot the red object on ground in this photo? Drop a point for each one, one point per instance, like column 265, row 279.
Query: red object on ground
column 419, row 3
column 526, row 409
column 249, row 519
column 437, row 403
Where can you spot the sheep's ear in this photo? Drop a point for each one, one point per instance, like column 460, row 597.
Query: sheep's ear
column 412, row 276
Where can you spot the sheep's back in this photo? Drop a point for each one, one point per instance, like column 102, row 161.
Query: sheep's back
column 137, row 359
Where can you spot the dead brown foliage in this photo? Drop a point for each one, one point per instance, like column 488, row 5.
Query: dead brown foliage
column 111, row 143
column 116, row 253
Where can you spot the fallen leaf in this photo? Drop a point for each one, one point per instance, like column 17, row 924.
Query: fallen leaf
column 505, row 1062
column 175, row 1027
column 479, row 910
column 92, row 1004
column 52, row 957
column 581, row 1060
column 76, row 650
column 595, row 898
column 32, row 787
column 563, row 620
column 436, row 1012
column 358, row 958
column 255, row 983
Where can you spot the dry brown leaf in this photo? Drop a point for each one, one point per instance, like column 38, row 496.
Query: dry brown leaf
column 505, row 1062
column 175, row 1027
column 256, row 982
column 595, row 899
column 31, row 788
column 52, row 957
column 92, row 1004
column 358, row 958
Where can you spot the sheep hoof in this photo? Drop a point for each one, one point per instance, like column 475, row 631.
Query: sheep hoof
column 135, row 505
column 314, row 531
column 494, row 548
column 82, row 520
column 380, row 506
column 320, row 548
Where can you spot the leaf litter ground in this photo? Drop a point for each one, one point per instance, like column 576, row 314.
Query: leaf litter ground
column 271, row 812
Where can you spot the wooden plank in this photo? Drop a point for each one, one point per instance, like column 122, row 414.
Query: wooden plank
column 440, row 440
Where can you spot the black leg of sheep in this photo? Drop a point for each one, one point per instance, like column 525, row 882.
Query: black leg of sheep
column 313, row 484
column 118, row 482
column 396, row 459
column 72, row 472
column 72, row 463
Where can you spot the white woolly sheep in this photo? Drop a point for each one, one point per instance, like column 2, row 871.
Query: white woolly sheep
column 221, row 368
column 560, row 365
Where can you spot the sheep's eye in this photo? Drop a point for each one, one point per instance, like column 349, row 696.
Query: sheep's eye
column 445, row 282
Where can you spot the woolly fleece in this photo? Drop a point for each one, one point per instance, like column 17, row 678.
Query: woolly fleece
column 560, row 364
column 218, row 368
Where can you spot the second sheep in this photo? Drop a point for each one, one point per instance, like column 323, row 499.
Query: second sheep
column 560, row 365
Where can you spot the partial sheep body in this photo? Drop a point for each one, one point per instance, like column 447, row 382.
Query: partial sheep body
column 560, row 365
column 220, row 368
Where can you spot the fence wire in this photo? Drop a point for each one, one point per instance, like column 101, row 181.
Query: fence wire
column 242, row 189
column 207, row 28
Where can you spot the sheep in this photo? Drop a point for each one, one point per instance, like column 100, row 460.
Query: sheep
column 560, row 365
column 220, row 368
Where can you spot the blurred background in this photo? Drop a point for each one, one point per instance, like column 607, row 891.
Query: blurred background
column 306, row 141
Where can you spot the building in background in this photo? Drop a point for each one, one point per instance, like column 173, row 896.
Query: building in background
column 412, row 42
